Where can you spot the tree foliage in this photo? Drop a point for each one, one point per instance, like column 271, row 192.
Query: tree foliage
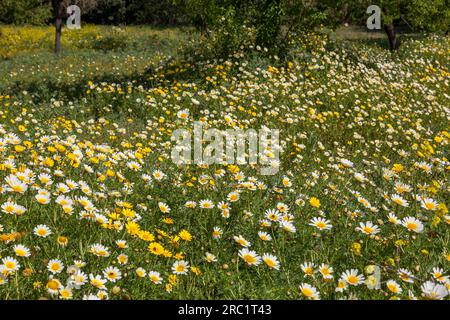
column 228, row 21
column 25, row 11
column 270, row 20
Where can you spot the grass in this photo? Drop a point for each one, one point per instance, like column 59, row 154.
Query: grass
column 364, row 138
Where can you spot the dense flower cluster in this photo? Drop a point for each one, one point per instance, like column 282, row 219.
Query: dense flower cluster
column 93, row 207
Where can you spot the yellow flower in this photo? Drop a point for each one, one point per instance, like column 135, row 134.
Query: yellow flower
column 168, row 220
column 397, row 168
column 179, row 256
column 436, row 220
column 441, row 209
column 196, row 271
column 356, row 247
column 49, row 162
column 53, row 284
column 314, row 202
column 185, row 235
column 128, row 213
column 132, row 228
column 156, row 248
column 146, row 236
column 400, row 243
column 167, row 253
column 63, row 241
column 19, row 148
column 173, row 279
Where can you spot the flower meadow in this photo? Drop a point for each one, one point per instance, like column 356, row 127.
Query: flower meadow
column 93, row 207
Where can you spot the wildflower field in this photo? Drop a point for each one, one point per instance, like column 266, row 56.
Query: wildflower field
column 92, row 205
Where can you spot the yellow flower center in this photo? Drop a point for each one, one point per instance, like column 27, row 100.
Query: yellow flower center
column 321, row 225
column 271, row 263
column 52, row 284
column 429, row 205
column 411, row 225
column 65, row 293
column 352, row 279
column 393, row 288
column 180, row 268
column 55, row 266
column 368, row 229
column 154, row 278
column 17, row 188
column 307, row 292
column 249, row 258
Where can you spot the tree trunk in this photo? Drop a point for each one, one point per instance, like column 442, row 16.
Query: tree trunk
column 58, row 14
column 394, row 43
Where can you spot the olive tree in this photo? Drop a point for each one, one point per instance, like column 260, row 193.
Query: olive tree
column 420, row 15
column 59, row 11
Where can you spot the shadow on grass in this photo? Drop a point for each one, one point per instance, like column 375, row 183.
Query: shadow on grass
column 381, row 42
